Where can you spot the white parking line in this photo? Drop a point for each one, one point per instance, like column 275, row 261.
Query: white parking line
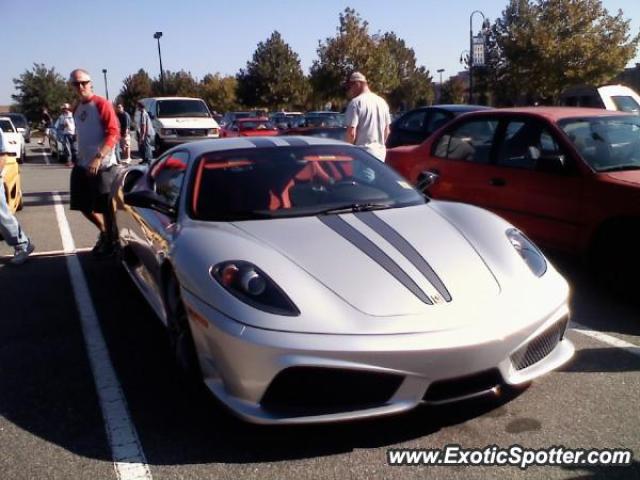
column 128, row 457
column 608, row 339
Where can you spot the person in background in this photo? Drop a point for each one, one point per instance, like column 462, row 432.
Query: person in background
column 125, row 134
column 10, row 229
column 91, row 178
column 46, row 122
column 65, row 128
column 145, row 134
column 367, row 117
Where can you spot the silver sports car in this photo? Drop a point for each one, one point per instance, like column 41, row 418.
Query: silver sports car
column 304, row 281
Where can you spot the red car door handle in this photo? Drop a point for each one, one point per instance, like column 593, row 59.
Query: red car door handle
column 498, row 182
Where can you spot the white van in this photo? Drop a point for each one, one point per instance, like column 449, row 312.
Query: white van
column 178, row 120
column 609, row 97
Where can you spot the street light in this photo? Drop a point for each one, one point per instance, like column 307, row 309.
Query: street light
column 106, row 89
column 157, row 36
column 440, row 70
column 484, row 19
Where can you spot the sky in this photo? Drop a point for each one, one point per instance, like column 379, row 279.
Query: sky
column 205, row 36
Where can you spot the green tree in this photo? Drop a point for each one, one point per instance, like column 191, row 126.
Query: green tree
column 135, row 87
column 41, row 87
column 176, row 84
column 453, row 91
column 540, row 47
column 274, row 77
column 219, row 92
column 352, row 49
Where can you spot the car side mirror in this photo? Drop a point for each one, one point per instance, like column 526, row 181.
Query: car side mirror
column 149, row 199
column 426, row 178
column 552, row 163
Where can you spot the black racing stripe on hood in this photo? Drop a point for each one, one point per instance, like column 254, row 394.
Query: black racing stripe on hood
column 294, row 142
column 366, row 246
column 407, row 250
column 261, row 142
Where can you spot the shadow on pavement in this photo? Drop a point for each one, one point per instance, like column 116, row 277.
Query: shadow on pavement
column 38, row 199
column 609, row 360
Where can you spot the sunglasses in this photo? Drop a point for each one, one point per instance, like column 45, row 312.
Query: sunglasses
column 83, row 83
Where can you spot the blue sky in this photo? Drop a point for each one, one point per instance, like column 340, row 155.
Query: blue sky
column 205, row 36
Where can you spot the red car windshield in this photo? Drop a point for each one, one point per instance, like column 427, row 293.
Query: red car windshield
column 294, row 181
column 255, row 125
column 607, row 144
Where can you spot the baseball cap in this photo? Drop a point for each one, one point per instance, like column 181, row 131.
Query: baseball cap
column 4, row 145
column 357, row 77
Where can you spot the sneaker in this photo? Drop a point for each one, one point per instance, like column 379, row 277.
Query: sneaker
column 103, row 246
column 22, row 255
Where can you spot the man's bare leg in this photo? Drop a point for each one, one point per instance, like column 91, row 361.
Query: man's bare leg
column 97, row 219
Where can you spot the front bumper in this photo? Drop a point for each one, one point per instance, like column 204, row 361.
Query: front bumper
column 242, row 366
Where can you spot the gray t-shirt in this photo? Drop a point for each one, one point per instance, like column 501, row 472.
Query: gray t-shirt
column 369, row 114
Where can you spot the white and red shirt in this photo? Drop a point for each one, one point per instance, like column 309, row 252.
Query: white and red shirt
column 96, row 125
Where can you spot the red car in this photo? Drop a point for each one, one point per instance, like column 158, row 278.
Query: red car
column 568, row 177
column 249, row 127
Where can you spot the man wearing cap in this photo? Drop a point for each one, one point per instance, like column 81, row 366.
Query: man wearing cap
column 66, row 131
column 97, row 132
column 9, row 227
column 367, row 117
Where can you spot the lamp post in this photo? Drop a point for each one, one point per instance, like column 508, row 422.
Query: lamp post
column 471, row 51
column 440, row 70
column 106, row 89
column 157, row 36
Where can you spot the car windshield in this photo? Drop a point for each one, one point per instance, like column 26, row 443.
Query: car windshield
column 325, row 120
column 255, row 125
column 295, row 181
column 606, row 143
column 182, row 108
column 6, row 126
column 625, row 103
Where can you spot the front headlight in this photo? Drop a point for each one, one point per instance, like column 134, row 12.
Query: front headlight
column 251, row 285
column 212, row 132
column 532, row 256
column 167, row 132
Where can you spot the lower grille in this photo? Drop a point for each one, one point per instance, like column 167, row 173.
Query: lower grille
column 191, row 132
column 453, row 388
column 298, row 391
column 539, row 347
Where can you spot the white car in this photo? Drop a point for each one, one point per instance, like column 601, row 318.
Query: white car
column 609, row 97
column 14, row 138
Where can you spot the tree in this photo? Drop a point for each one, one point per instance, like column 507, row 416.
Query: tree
column 274, row 77
column 41, row 87
column 135, row 87
column 453, row 91
column 176, row 84
column 219, row 92
column 540, row 47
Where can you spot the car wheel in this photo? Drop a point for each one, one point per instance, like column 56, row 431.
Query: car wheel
column 180, row 336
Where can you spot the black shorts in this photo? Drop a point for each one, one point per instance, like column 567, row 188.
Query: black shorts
column 90, row 193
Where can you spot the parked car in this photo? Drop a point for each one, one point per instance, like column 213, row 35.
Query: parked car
column 416, row 125
column 229, row 117
column 301, row 289
column 12, row 183
column 249, row 127
column 568, row 177
column 21, row 123
column 610, row 97
column 179, row 119
column 14, row 138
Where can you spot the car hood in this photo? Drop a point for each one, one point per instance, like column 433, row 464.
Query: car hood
column 629, row 176
column 400, row 261
column 187, row 122
column 258, row 133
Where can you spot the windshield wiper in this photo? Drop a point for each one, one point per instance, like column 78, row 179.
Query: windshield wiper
column 620, row 168
column 354, row 207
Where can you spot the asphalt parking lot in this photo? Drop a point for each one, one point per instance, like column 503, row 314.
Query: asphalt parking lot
column 51, row 421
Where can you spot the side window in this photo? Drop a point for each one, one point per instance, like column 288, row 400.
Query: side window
column 470, row 141
column 413, row 122
column 168, row 174
column 524, row 142
column 436, row 120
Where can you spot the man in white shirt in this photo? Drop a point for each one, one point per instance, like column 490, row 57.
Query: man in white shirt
column 66, row 130
column 367, row 117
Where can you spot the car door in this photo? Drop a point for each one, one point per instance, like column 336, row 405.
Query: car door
column 544, row 187
column 152, row 231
